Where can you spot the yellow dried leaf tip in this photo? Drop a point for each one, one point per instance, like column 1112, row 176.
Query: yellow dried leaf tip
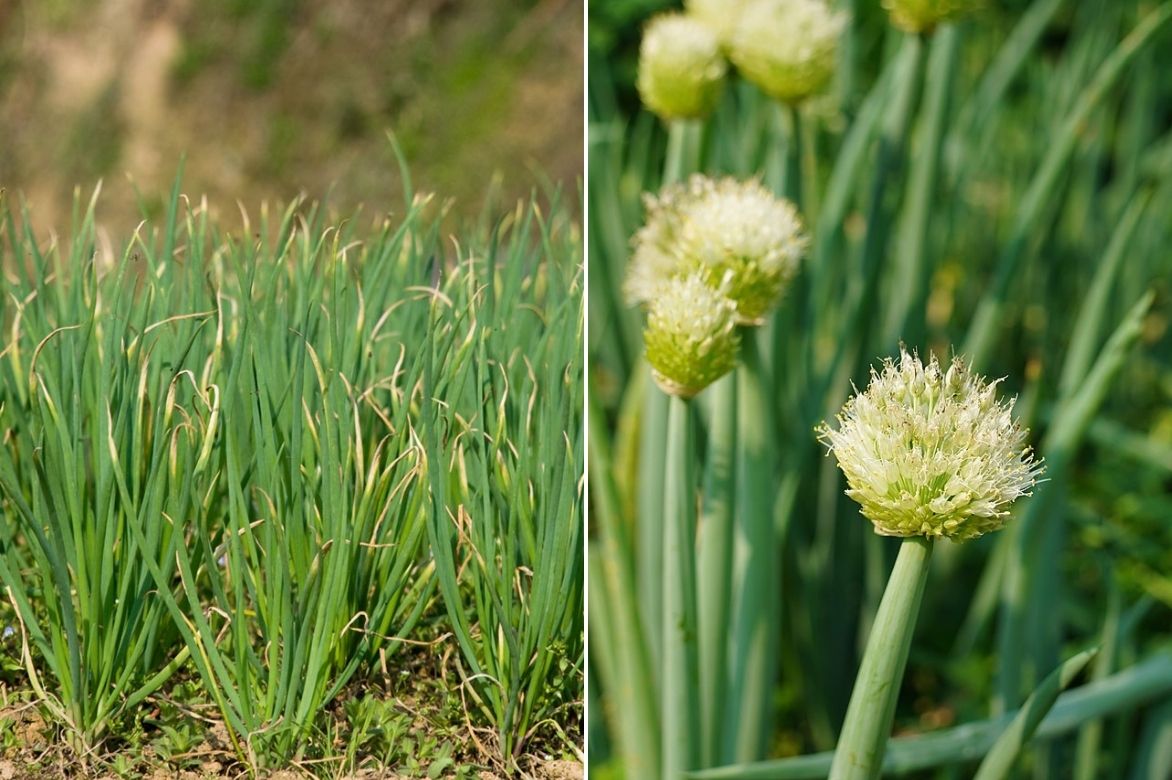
column 920, row 16
column 691, row 336
column 788, row 48
column 928, row 452
column 681, row 67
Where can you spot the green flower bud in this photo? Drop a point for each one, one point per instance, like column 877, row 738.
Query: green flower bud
column 681, row 67
column 691, row 336
column 788, row 48
column 737, row 235
column 932, row 453
column 720, row 16
column 918, row 16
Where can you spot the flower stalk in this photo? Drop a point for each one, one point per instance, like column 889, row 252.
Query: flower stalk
column 928, row 453
column 714, row 547
column 756, row 576
column 681, row 721
column 683, row 149
column 859, row 755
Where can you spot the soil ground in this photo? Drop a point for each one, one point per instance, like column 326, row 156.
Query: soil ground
column 271, row 98
column 409, row 724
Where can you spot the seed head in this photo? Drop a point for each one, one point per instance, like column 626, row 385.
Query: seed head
column 932, row 453
column 918, row 16
column 737, row 235
column 691, row 336
column 788, row 48
column 681, row 67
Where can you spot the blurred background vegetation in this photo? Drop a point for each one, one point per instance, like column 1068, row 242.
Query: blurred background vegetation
column 1117, row 498
column 269, row 98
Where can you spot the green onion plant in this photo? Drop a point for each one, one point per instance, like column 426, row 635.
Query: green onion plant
column 982, row 182
column 264, row 459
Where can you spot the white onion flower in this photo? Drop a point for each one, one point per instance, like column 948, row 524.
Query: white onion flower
column 737, row 235
column 655, row 254
column 932, row 453
column 741, row 235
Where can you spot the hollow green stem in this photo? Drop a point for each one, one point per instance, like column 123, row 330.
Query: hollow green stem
column 683, row 150
column 793, row 155
column 714, row 563
column 999, row 761
column 681, row 721
column 785, row 350
column 652, row 434
column 756, row 557
column 859, row 755
column 683, row 157
column 621, row 645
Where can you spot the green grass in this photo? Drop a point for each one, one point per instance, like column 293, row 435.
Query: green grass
column 259, row 465
column 995, row 189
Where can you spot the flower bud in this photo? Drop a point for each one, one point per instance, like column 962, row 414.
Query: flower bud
column 928, row 453
column 681, row 67
column 788, row 48
column 691, row 336
column 720, row 16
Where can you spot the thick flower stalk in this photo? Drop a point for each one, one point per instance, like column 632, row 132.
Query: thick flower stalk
column 929, row 452
column 921, row 16
column 712, row 256
column 788, row 48
column 737, row 235
column 691, row 336
column 681, row 67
